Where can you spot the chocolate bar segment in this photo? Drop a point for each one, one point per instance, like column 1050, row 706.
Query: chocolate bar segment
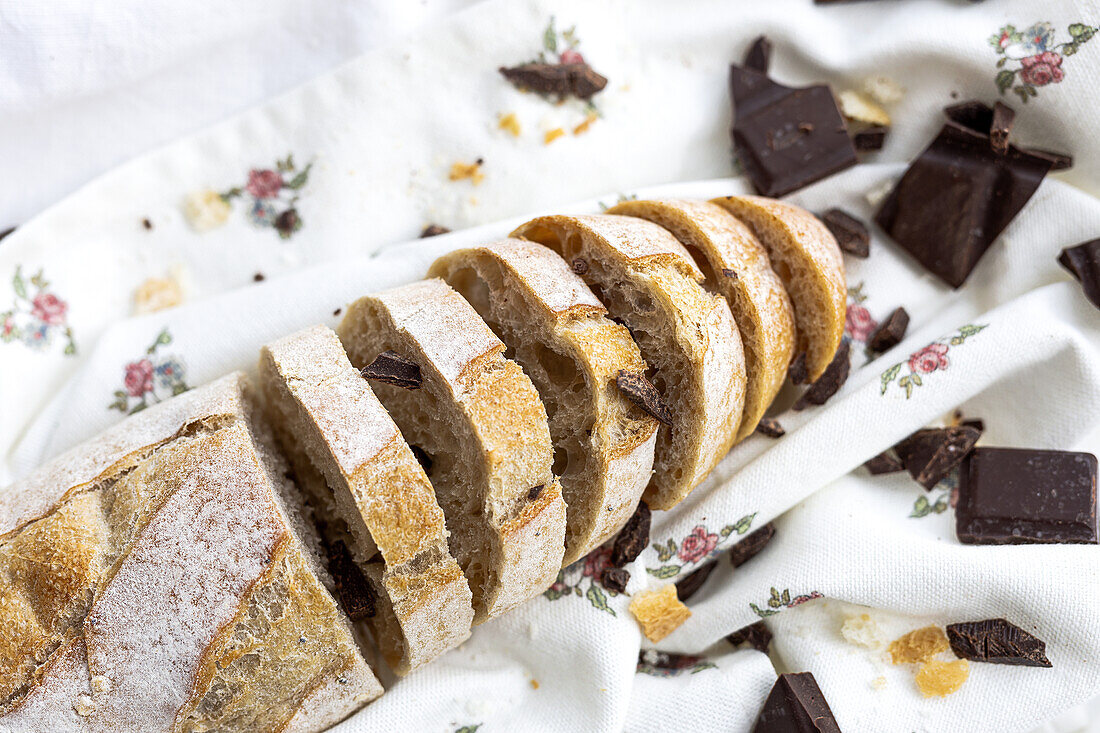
column 1083, row 262
column 1011, row 496
column 930, row 454
column 998, row 642
column 796, row 705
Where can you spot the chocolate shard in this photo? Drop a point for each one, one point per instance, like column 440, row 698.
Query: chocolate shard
column 786, row 138
column 1059, row 161
column 851, row 233
column 757, row 636
column 885, row 462
column 870, row 139
column 690, row 584
column 796, row 705
column 770, row 427
column 433, row 230
column 6, row 232
column 890, row 332
column 352, row 587
column 748, row 548
column 1083, row 262
column 633, row 537
column 930, row 454
column 639, row 390
column 615, row 579
column 564, row 80
column 534, row 492
column 960, row 194
column 997, row 641
column 797, row 370
column 974, row 422
column 831, row 380
column 1011, row 496
column 1001, row 127
column 759, row 55
column 392, row 368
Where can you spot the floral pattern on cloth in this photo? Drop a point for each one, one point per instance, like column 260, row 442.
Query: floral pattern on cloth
column 468, row 728
column 37, row 314
column 943, row 495
column 271, row 196
column 671, row 664
column 700, row 544
column 925, row 361
column 571, row 580
column 151, row 379
column 778, row 600
column 1030, row 58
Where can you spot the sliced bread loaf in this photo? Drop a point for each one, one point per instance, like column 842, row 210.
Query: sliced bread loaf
column 649, row 282
column 480, row 423
column 737, row 266
column 373, row 488
column 556, row 329
column 168, row 580
column 806, row 257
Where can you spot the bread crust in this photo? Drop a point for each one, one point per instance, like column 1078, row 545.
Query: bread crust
column 170, row 546
column 528, row 282
column 807, row 259
column 625, row 254
column 326, row 412
column 737, row 266
column 508, row 538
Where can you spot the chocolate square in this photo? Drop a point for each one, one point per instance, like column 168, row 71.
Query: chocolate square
column 796, row 705
column 1017, row 496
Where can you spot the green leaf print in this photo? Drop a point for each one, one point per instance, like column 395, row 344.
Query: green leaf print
column 598, row 599
column 664, row 572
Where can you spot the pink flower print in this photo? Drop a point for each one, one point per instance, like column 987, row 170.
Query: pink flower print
column 49, row 309
column 697, row 545
column 1042, row 69
column 139, row 377
column 929, row 359
column 858, row 323
column 264, row 184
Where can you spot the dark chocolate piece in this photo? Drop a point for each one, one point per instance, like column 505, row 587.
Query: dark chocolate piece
column 796, row 705
column 633, row 537
column 352, row 587
column 577, row 80
column 756, row 635
column 960, row 194
column 145, row 223
column 258, row 277
column 851, row 233
column 390, row 367
column 338, row 311
column 975, row 423
column 615, row 579
column 770, row 427
column 797, row 370
column 1059, row 161
column 748, row 548
column 580, row 265
column 759, row 55
column 870, row 139
column 785, row 138
column 690, row 584
column 930, row 454
column 885, row 462
column 1083, row 262
column 534, row 492
column 639, row 390
column 890, row 332
column 832, row 379
column 422, row 458
column 433, row 230
column 1010, row 496
column 1001, row 127
column 998, row 642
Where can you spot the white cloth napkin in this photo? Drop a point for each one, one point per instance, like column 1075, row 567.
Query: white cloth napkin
column 382, row 134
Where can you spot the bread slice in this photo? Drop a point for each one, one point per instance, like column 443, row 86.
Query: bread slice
column 649, row 282
column 737, row 266
column 806, row 257
column 481, row 423
column 171, row 584
column 373, row 488
column 556, row 329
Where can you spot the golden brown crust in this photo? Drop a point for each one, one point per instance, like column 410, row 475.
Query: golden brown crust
column 659, row 612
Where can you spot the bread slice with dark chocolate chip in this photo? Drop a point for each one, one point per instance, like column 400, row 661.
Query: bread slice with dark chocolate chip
column 482, row 427
column 649, row 282
column 557, row 330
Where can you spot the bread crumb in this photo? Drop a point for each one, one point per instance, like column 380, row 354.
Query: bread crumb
column 883, row 89
column 509, row 123
column 879, row 193
column 918, row 646
column 659, row 612
column 857, row 107
column 534, row 684
column 101, row 684
column 157, row 293
column 84, row 705
column 862, row 630
column 552, row 135
column 583, row 127
column 939, row 679
column 879, row 683
column 205, row 210
column 467, row 171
